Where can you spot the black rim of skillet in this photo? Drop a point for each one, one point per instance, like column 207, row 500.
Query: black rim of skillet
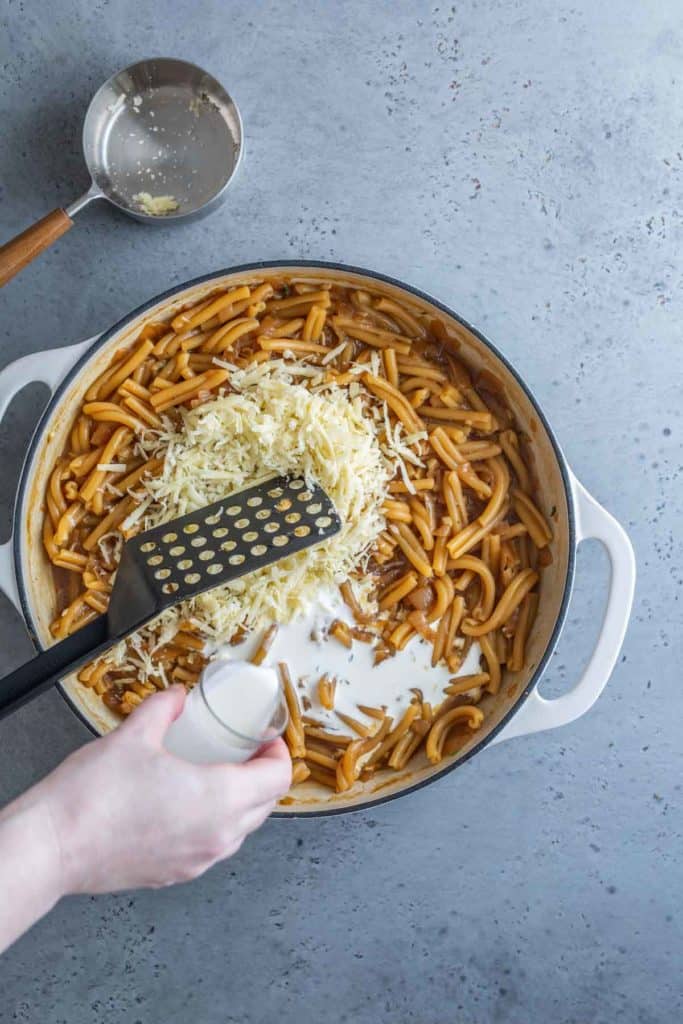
column 36, row 440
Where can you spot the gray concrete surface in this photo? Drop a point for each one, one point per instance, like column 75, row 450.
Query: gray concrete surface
column 521, row 160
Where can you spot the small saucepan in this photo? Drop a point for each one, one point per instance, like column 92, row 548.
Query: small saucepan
column 162, row 140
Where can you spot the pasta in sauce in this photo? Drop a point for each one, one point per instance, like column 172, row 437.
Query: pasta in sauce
column 458, row 561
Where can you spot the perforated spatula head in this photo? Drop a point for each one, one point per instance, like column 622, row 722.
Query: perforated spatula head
column 219, row 543
column 173, row 563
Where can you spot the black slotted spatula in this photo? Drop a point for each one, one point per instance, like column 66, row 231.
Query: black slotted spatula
column 180, row 560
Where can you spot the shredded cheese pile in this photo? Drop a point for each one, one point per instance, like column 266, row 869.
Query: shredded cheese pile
column 271, row 425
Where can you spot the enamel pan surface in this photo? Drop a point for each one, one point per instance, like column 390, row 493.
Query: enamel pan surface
column 297, row 268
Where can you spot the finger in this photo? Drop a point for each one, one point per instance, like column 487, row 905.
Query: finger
column 269, row 775
column 263, row 779
column 229, row 850
column 276, row 750
column 255, row 817
column 273, row 764
column 151, row 720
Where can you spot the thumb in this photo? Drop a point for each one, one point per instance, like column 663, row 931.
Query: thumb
column 269, row 772
column 151, row 720
column 276, row 750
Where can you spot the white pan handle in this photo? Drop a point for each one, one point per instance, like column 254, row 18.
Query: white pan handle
column 538, row 713
column 49, row 368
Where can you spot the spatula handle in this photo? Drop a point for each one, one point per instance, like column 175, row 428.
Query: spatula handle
column 54, row 664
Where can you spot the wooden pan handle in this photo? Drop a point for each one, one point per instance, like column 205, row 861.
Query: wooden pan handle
column 19, row 251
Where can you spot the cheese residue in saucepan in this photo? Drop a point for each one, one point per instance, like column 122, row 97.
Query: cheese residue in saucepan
column 156, row 206
column 270, row 425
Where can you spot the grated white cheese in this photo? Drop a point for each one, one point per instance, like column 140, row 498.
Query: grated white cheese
column 271, row 425
column 341, row 438
column 333, row 353
column 135, row 516
column 375, row 364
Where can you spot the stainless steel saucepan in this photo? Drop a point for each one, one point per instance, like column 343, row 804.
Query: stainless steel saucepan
column 162, row 140
column 518, row 709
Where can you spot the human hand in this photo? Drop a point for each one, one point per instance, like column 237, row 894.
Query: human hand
column 127, row 814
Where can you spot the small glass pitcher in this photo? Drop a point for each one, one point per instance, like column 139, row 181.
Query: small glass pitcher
column 233, row 710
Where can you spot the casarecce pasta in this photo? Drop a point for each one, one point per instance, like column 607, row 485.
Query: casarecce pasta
column 464, row 540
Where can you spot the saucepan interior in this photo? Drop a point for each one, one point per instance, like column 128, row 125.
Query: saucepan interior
column 34, row 572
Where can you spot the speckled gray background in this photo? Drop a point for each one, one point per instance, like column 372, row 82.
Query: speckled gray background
column 521, row 160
